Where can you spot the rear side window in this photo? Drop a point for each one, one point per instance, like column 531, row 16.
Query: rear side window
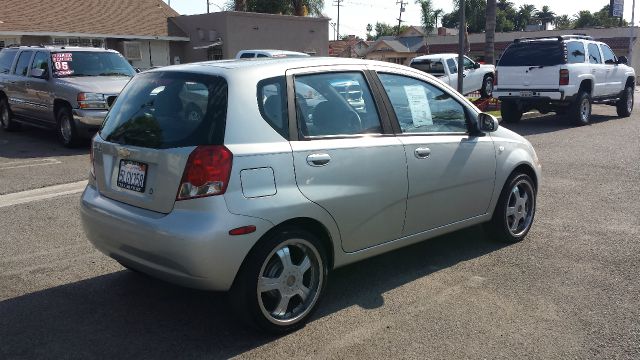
column 272, row 102
column 41, row 61
column 533, row 53
column 594, row 54
column 609, row 56
column 22, row 67
column 575, row 52
column 430, row 66
column 167, row 110
column 6, row 60
column 246, row 56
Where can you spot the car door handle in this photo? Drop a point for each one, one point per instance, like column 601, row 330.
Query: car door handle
column 422, row 153
column 318, row 159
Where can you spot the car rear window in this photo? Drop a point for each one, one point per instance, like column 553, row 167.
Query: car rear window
column 430, row 66
column 534, row 53
column 6, row 60
column 167, row 110
column 272, row 102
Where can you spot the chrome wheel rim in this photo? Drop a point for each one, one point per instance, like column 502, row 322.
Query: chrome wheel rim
column 65, row 128
column 585, row 110
column 289, row 282
column 520, row 208
column 488, row 86
column 629, row 99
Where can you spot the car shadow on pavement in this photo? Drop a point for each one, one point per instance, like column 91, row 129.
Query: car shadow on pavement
column 128, row 315
column 31, row 142
column 550, row 123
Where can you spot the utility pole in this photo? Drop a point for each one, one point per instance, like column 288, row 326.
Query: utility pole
column 207, row 6
column 462, row 29
column 333, row 25
column 402, row 4
column 631, row 32
column 338, row 3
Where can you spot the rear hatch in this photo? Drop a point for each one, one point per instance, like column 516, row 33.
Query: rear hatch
column 155, row 124
column 531, row 65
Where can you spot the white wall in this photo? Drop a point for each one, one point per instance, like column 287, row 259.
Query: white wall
column 153, row 53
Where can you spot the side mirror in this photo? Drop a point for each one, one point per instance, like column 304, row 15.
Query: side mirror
column 38, row 73
column 487, row 123
column 476, row 65
column 138, row 70
column 623, row 60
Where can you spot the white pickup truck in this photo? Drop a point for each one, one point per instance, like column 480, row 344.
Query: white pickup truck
column 477, row 77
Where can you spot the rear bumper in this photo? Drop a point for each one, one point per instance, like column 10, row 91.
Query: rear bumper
column 536, row 95
column 190, row 246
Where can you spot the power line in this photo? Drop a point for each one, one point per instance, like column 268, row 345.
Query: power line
column 402, row 4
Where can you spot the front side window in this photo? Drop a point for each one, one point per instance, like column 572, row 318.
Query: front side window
column 594, row 54
column 41, row 61
column 608, row 56
column 331, row 104
column 6, row 60
column 575, row 52
column 22, row 67
column 453, row 67
column 167, row 110
column 423, row 108
column 272, row 102
column 468, row 64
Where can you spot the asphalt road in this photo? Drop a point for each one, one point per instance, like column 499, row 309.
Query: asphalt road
column 570, row 290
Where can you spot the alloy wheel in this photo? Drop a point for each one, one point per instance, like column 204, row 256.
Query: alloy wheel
column 520, row 208
column 65, row 128
column 629, row 99
column 585, row 110
column 488, row 86
column 289, row 282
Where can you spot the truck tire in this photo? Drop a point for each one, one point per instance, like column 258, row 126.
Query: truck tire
column 580, row 111
column 624, row 106
column 510, row 111
column 6, row 120
column 66, row 128
column 487, row 87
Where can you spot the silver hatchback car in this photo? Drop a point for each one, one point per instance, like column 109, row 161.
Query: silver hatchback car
column 260, row 177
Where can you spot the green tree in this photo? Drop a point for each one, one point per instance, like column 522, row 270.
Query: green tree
column 524, row 16
column 383, row 29
column 437, row 14
column 545, row 16
column 563, row 22
column 475, row 14
column 286, row 7
column 427, row 17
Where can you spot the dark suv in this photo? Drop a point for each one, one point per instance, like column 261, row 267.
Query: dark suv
column 69, row 89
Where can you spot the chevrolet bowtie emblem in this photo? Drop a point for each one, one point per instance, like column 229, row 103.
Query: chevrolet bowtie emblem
column 124, row 153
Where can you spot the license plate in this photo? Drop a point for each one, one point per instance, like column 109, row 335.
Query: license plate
column 132, row 175
column 526, row 93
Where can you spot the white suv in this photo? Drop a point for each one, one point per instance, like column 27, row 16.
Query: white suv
column 563, row 74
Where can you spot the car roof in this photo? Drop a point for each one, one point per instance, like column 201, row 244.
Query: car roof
column 54, row 48
column 281, row 64
column 435, row 56
column 271, row 51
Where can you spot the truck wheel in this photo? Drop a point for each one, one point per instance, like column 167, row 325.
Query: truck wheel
column 624, row 106
column 487, row 87
column 67, row 132
column 580, row 112
column 510, row 111
column 6, row 121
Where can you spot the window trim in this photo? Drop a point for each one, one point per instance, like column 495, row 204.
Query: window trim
column 17, row 60
column 599, row 54
column 294, row 133
column 396, row 123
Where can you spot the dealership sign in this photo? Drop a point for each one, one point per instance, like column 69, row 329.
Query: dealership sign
column 616, row 8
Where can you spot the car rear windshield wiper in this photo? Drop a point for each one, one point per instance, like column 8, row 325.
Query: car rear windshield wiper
column 536, row 67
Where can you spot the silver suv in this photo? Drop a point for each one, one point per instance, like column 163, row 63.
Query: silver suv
column 259, row 177
column 68, row 89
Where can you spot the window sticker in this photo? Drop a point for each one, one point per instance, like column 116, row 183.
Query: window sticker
column 62, row 63
column 419, row 105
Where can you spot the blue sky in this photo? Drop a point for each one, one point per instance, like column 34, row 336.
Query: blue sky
column 356, row 14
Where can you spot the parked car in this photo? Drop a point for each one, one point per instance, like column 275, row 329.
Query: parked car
column 251, row 54
column 259, row 198
column 69, row 89
column 563, row 74
column 477, row 77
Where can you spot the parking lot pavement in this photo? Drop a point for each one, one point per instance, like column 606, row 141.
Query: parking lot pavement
column 570, row 290
column 32, row 158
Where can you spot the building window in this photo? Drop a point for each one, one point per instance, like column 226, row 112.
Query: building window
column 85, row 42
column 214, row 53
column 213, row 35
column 132, row 51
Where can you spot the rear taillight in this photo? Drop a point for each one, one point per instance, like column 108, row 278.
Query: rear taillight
column 495, row 79
column 206, row 173
column 564, row 77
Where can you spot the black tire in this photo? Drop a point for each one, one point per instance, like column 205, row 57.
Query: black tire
column 510, row 111
column 580, row 111
column 66, row 128
column 254, row 306
column 6, row 119
column 487, row 87
column 521, row 215
column 624, row 106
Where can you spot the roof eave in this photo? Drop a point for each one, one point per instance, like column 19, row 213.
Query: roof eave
column 65, row 34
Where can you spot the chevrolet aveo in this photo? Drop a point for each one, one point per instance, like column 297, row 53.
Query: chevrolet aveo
column 259, row 177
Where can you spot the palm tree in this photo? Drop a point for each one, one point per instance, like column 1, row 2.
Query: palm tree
column 490, row 32
column 437, row 14
column 545, row 15
column 426, row 15
column 563, row 22
column 504, row 5
column 525, row 14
